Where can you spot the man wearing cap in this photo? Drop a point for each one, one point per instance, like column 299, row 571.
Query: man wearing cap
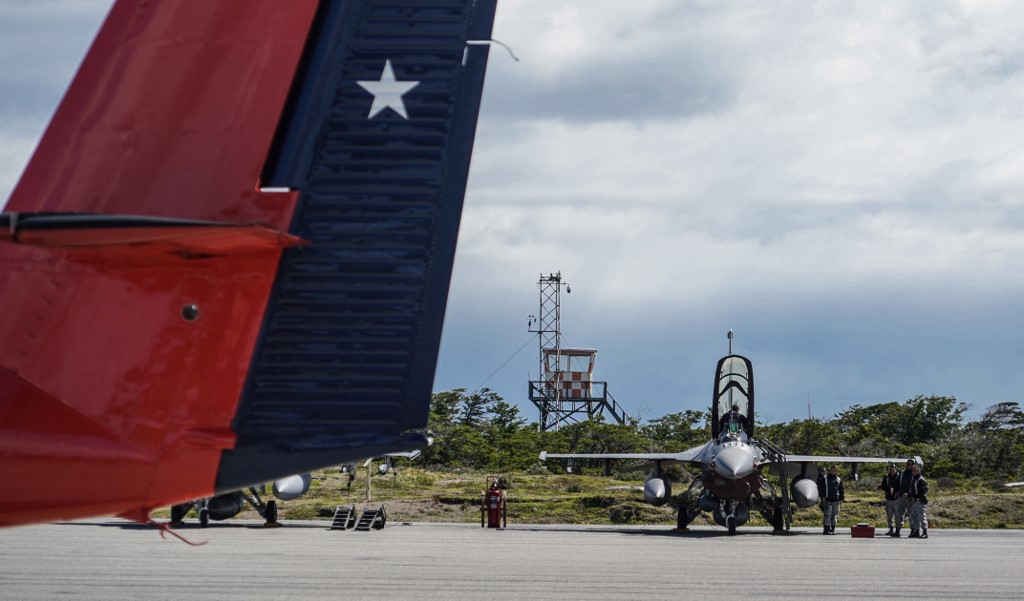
column 903, row 500
column 891, row 486
column 830, row 491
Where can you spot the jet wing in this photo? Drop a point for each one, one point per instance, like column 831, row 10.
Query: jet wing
column 228, row 259
column 846, row 459
column 697, row 453
column 701, row 454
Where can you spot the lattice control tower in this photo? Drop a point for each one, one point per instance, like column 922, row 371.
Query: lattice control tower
column 566, row 391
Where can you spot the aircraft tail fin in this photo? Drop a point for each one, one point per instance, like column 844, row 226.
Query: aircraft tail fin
column 231, row 250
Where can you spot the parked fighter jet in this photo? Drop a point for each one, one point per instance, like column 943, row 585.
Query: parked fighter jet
column 227, row 505
column 732, row 464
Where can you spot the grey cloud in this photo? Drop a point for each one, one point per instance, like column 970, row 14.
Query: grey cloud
column 41, row 44
column 678, row 84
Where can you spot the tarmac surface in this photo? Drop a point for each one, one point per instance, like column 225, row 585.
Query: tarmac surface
column 115, row 559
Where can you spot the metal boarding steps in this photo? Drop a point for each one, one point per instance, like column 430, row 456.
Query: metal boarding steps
column 344, row 518
column 370, row 519
column 778, row 457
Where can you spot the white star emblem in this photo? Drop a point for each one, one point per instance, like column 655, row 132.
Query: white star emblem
column 387, row 93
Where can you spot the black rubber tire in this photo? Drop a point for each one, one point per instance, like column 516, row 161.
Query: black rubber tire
column 682, row 517
column 178, row 513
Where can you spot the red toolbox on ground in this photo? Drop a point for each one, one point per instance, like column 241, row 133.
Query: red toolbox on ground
column 862, row 531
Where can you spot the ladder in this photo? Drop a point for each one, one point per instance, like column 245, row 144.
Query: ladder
column 372, row 518
column 344, row 518
column 778, row 457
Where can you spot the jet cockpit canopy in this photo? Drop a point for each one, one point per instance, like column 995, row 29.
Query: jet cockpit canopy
column 734, row 386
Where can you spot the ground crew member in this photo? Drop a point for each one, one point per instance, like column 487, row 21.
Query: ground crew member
column 821, row 497
column 891, row 486
column 903, row 501
column 830, row 490
column 919, row 505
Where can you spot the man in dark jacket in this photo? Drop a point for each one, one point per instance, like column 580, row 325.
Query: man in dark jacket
column 830, row 490
column 821, row 497
column 891, row 486
column 919, row 505
column 903, row 499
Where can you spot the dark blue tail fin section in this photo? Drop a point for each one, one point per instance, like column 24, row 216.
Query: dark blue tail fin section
column 377, row 139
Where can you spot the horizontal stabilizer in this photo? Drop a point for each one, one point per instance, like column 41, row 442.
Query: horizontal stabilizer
column 73, row 230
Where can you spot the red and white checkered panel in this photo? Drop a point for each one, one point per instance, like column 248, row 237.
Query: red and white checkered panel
column 575, row 384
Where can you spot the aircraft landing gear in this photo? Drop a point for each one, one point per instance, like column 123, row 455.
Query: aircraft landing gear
column 268, row 510
column 270, row 514
column 689, row 505
column 770, row 508
column 178, row 513
column 731, row 514
column 203, row 509
column 682, row 518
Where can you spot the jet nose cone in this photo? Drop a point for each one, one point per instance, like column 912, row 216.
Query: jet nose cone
column 734, row 462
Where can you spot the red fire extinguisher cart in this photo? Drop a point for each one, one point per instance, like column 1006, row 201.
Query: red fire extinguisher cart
column 493, row 507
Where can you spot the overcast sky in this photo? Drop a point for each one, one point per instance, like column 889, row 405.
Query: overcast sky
column 840, row 183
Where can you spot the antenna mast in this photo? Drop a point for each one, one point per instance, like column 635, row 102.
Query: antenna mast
column 549, row 338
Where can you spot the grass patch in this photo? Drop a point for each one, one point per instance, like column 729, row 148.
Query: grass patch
column 415, row 494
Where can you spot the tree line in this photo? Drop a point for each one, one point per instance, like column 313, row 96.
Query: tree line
column 480, row 430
